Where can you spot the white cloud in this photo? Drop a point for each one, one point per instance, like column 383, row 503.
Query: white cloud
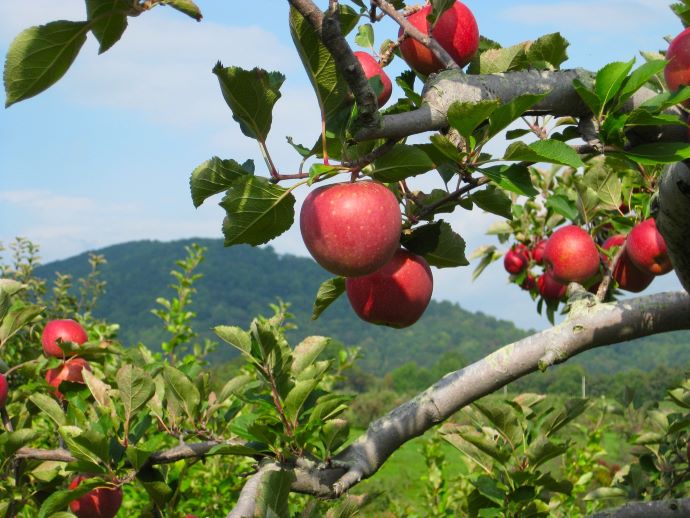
column 613, row 16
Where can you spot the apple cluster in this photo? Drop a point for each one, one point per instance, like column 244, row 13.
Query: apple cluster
column 353, row 229
column 570, row 254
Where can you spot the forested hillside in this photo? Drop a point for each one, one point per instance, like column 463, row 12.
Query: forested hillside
column 240, row 282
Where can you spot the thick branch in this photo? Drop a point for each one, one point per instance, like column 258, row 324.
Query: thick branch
column 451, row 85
column 246, row 503
column 672, row 218
column 328, row 28
column 590, row 325
column 672, row 508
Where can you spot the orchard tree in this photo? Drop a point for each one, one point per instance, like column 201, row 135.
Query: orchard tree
column 592, row 186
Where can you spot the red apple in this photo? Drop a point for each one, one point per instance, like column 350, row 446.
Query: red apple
column 372, row 68
column 677, row 71
column 396, row 295
column 71, row 371
column 647, row 249
column 352, row 228
column 550, row 288
column 571, row 255
column 4, row 389
column 102, row 502
column 515, row 261
column 538, row 251
column 628, row 276
column 63, row 330
column 455, row 30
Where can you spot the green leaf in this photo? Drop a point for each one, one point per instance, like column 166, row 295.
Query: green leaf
column 502, row 116
column 297, row 396
column 108, row 20
column 550, row 151
column 79, row 445
column 328, row 292
column 639, row 77
column 187, row 7
column 609, row 80
column 484, row 445
column 403, row 161
column 257, row 211
column 334, row 433
column 494, row 61
column 10, row 442
column 465, row 117
column 49, row 407
column 493, row 200
column 365, row 36
column 16, row 319
column 154, row 483
column 438, row 244
column 306, row 352
column 543, row 450
column 659, row 153
column 135, row 387
column 572, row 408
column 332, row 92
column 438, row 8
column 272, row 496
column 562, row 205
column 236, row 337
column 550, row 48
column 587, row 202
column 489, row 488
column 588, row 95
column 514, row 178
column 234, row 386
column 214, row 176
column 602, row 175
column 137, row 456
column 40, row 56
column 181, row 391
column 251, row 95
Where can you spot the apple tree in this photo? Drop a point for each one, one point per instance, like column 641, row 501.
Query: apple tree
column 591, row 187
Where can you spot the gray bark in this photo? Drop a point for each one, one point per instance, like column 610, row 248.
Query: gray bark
column 673, row 218
column 449, row 86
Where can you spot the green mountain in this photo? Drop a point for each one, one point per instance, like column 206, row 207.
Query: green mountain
column 241, row 282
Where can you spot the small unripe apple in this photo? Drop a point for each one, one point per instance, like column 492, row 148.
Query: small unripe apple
column 571, row 255
column 372, row 68
column 647, row 249
column 538, row 251
column 628, row 276
column 396, row 295
column 63, row 330
column 455, row 30
column 71, row 371
column 102, row 502
column 515, row 261
column 677, row 71
column 4, row 389
column 550, row 288
column 352, row 228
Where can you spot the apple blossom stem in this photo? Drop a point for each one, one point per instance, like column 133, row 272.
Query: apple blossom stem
column 413, row 32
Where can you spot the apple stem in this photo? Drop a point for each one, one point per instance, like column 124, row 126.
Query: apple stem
column 608, row 275
column 267, row 158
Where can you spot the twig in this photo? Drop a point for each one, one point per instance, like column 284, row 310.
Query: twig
column 412, row 31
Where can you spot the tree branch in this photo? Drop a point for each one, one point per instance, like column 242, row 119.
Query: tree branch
column 450, row 86
column 246, row 503
column 672, row 217
column 589, row 325
column 412, row 31
column 327, row 27
column 672, row 508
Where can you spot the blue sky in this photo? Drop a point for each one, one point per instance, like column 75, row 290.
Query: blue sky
column 105, row 155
